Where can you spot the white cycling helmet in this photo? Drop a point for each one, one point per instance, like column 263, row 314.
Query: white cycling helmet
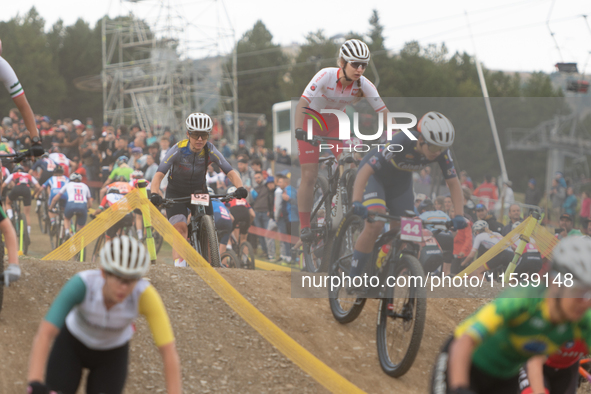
column 210, row 190
column 355, row 51
column 75, row 177
column 436, row 129
column 479, row 226
column 125, row 257
column 231, row 190
column 199, row 122
column 515, row 225
column 573, row 255
column 137, row 174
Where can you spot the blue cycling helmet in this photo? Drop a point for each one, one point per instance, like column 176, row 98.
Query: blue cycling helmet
column 122, row 159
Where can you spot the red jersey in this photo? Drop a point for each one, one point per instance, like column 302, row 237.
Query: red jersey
column 110, row 199
column 568, row 354
column 21, row 178
column 123, row 187
column 239, row 202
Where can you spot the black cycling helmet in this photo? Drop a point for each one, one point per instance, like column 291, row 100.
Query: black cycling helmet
column 114, row 190
column 58, row 169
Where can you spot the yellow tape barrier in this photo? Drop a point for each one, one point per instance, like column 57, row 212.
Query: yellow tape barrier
column 323, row 374
column 541, row 237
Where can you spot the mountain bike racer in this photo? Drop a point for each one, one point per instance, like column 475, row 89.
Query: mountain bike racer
column 91, row 321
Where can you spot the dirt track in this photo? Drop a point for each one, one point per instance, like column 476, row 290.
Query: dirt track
column 219, row 352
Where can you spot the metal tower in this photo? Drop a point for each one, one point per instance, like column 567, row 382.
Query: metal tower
column 148, row 75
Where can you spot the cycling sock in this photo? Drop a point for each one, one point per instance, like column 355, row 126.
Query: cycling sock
column 29, row 229
column 9, row 213
column 304, row 219
column 140, row 233
column 358, row 263
column 67, row 231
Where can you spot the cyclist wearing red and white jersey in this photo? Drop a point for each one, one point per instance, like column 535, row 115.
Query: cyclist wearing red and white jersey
column 243, row 215
column 331, row 88
column 62, row 160
column 21, row 184
column 113, row 196
column 79, row 200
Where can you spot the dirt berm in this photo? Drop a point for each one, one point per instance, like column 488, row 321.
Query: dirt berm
column 219, row 351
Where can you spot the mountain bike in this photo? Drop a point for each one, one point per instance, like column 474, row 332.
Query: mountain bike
column 402, row 306
column 57, row 233
column 229, row 259
column 331, row 202
column 43, row 212
column 124, row 227
column 245, row 253
column 19, row 221
column 202, row 234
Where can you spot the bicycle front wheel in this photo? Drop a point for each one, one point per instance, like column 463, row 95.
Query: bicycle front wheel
column 317, row 253
column 402, row 318
column 345, row 307
column 208, row 241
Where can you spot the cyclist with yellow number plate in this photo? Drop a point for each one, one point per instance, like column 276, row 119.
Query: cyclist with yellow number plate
column 91, row 322
column 487, row 350
column 186, row 164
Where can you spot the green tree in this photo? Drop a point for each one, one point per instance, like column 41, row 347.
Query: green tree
column 26, row 48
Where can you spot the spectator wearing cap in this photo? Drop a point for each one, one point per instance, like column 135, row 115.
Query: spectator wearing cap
column 514, row 216
column 585, row 207
column 566, row 224
column 559, row 176
column 246, row 174
column 283, row 157
column 242, row 150
column 532, row 194
column 483, row 214
column 135, row 160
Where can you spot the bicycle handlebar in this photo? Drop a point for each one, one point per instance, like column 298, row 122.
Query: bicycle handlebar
column 18, row 156
column 222, row 197
column 382, row 217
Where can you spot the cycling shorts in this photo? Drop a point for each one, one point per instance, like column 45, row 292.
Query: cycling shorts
column 501, row 260
column 529, row 263
column 396, row 197
column 21, row 191
column 241, row 218
column 224, row 229
column 480, row 381
column 556, row 380
column 78, row 208
column 127, row 221
column 309, row 153
column 107, row 368
column 180, row 211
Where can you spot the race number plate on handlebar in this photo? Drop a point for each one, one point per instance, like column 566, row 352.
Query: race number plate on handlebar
column 200, row 199
column 411, row 229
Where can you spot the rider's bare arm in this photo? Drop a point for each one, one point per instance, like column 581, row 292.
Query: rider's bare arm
column 155, row 185
column 234, row 178
column 40, row 351
column 457, row 197
column 460, row 358
column 27, row 113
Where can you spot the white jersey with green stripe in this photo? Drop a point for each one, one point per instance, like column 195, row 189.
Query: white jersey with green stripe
column 10, row 80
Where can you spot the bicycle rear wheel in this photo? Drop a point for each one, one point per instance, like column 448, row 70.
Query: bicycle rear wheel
column 228, row 259
column 344, row 307
column 40, row 212
column 246, row 256
column 401, row 319
column 1, row 270
column 100, row 242
column 208, row 240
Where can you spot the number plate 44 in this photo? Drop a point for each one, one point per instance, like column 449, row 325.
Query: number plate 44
column 411, row 229
column 200, row 199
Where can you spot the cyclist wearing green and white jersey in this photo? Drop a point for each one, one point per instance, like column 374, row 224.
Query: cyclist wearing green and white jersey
column 120, row 173
column 488, row 348
column 10, row 80
column 92, row 320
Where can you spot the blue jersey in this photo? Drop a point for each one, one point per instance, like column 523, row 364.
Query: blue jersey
column 434, row 216
column 220, row 212
column 56, row 183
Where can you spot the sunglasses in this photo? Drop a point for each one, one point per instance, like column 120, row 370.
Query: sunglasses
column 434, row 148
column 356, row 65
column 203, row 136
